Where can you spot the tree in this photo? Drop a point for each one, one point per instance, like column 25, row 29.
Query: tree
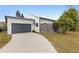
column 5, row 26
column 18, row 13
column 73, row 13
column 65, row 23
column 55, row 26
column 22, row 16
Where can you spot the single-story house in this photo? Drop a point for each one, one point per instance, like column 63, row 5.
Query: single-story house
column 1, row 26
column 20, row 25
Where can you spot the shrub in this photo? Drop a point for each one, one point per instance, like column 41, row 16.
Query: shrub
column 1, row 29
column 33, row 31
column 55, row 26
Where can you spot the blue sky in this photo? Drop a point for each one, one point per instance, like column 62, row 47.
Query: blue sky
column 49, row 11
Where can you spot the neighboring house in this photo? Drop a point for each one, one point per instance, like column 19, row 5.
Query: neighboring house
column 20, row 25
column 1, row 26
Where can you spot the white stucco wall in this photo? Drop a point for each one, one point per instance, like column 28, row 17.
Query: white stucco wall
column 37, row 29
column 13, row 20
column 23, row 21
column 42, row 21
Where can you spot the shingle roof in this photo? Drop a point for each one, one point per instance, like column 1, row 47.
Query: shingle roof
column 17, row 18
column 46, row 19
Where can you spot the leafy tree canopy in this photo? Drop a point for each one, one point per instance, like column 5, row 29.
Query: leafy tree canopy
column 68, row 20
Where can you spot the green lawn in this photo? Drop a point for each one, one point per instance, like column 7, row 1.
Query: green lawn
column 68, row 42
column 4, row 38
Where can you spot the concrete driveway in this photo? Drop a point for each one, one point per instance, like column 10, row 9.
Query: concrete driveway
column 28, row 43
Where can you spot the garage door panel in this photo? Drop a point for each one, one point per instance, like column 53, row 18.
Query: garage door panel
column 46, row 28
column 20, row 28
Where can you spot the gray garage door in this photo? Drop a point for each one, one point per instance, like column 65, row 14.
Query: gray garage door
column 20, row 28
column 46, row 28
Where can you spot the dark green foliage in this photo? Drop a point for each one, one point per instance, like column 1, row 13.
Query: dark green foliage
column 55, row 26
column 18, row 13
column 5, row 26
column 33, row 31
column 22, row 16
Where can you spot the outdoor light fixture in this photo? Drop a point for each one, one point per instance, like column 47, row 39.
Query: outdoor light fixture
column 36, row 24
